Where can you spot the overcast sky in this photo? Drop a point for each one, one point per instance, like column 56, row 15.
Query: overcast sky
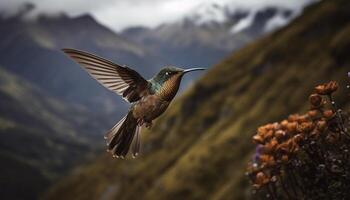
column 118, row 14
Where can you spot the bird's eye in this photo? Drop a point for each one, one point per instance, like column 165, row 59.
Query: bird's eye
column 167, row 73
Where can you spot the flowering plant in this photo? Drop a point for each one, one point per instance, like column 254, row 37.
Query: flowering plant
column 304, row 156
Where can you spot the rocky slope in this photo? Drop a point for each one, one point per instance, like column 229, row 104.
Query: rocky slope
column 199, row 148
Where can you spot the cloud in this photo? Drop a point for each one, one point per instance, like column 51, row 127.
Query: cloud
column 121, row 15
column 72, row 7
column 118, row 14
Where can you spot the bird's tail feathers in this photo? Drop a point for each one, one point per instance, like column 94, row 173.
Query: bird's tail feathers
column 120, row 137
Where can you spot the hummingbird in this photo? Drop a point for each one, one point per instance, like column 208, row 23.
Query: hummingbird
column 148, row 98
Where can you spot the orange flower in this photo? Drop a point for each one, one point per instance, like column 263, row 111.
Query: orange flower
column 271, row 146
column 321, row 125
column 305, row 127
column 261, row 179
column 280, row 134
column 303, row 118
column 262, row 130
column 265, row 133
column 328, row 114
column 257, row 139
column 292, row 127
column 276, row 126
column 288, row 146
column 293, row 118
column 298, row 138
column 284, row 124
column 327, row 88
column 285, row 146
column 315, row 100
column 312, row 113
column 269, row 134
column 267, row 160
column 267, row 127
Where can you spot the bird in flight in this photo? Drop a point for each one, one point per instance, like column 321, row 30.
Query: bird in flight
column 148, row 98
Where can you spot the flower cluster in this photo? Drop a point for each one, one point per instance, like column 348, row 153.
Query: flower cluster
column 304, row 156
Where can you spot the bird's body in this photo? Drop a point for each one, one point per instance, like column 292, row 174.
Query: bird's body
column 149, row 108
column 149, row 98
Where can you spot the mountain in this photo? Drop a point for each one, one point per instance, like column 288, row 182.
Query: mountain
column 200, row 147
column 31, row 49
column 41, row 138
column 52, row 114
column 209, row 33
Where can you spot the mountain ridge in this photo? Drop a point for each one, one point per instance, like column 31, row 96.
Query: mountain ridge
column 41, row 139
column 38, row 43
column 192, row 41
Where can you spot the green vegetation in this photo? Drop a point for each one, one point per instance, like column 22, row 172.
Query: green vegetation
column 200, row 147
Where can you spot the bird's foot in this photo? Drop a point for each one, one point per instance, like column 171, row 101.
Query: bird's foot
column 148, row 125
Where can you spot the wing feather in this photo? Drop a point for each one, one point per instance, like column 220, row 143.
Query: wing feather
column 119, row 79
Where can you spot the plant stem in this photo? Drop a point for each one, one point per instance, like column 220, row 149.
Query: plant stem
column 338, row 114
column 271, row 192
column 285, row 189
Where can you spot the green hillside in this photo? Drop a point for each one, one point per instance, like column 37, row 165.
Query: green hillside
column 200, row 147
column 41, row 138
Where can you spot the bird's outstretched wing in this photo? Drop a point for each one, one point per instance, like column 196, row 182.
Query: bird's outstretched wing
column 120, row 79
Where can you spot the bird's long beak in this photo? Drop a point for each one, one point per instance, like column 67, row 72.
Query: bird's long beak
column 192, row 69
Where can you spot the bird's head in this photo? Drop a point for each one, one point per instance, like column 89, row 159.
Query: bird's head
column 168, row 80
column 172, row 73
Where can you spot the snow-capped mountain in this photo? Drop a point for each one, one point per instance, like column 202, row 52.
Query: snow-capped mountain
column 205, row 14
column 209, row 32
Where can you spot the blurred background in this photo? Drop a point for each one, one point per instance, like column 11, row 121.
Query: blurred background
column 263, row 56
